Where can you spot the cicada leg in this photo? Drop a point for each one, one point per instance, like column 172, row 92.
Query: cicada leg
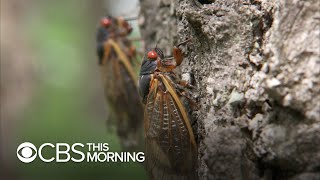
column 135, row 56
column 184, row 42
column 186, row 84
column 177, row 52
column 180, row 86
column 191, row 101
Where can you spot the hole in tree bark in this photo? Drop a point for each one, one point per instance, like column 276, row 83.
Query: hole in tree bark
column 205, row 1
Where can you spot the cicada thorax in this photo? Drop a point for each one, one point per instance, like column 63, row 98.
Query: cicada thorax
column 170, row 143
column 148, row 67
column 120, row 87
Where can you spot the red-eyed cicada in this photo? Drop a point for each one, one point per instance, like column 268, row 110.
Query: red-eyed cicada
column 170, row 146
column 117, row 58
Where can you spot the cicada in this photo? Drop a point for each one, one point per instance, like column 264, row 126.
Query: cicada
column 117, row 57
column 170, row 146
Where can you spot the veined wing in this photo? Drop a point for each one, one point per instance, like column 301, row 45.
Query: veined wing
column 123, row 100
column 124, row 59
column 116, row 69
column 111, row 76
column 170, row 143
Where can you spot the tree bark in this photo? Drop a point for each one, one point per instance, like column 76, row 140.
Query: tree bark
column 257, row 68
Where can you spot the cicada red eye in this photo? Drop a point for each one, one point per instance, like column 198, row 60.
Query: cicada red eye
column 152, row 55
column 105, row 22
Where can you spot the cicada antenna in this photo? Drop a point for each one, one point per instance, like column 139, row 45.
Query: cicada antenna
column 157, row 43
column 184, row 42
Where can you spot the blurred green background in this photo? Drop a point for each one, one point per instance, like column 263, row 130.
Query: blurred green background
column 51, row 89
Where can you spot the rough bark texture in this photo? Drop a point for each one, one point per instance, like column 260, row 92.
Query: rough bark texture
column 257, row 68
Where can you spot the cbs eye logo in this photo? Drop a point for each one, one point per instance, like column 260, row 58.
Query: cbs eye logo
column 25, row 151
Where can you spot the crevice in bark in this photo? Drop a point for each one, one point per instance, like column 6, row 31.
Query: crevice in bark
column 205, row 1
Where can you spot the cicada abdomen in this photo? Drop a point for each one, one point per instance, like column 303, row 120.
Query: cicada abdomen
column 116, row 59
column 170, row 146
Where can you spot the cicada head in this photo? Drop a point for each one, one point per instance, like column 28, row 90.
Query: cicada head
column 106, row 22
column 150, row 59
column 148, row 66
column 105, row 28
column 154, row 54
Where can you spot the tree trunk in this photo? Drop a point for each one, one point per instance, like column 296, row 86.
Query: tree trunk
column 256, row 65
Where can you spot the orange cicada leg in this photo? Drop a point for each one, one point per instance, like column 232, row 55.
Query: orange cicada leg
column 177, row 53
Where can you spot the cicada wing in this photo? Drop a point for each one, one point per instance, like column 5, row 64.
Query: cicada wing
column 169, row 148
column 155, row 157
column 130, row 109
column 182, row 153
column 123, row 100
column 110, row 72
column 154, row 110
column 125, row 61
